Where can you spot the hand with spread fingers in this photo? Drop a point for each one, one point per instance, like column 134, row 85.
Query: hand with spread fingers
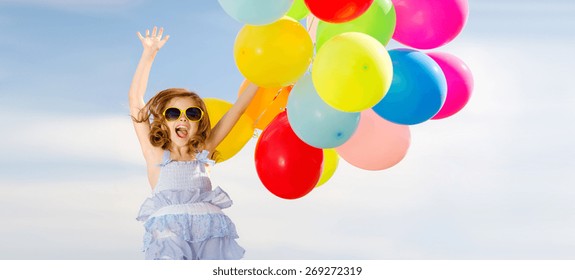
column 155, row 41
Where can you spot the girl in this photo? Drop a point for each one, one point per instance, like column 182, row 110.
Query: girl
column 183, row 217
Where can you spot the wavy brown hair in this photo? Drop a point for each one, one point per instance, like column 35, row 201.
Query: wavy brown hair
column 159, row 132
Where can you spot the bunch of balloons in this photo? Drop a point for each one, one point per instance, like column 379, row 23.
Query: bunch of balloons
column 332, row 89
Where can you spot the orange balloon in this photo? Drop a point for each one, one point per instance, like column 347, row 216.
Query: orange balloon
column 267, row 104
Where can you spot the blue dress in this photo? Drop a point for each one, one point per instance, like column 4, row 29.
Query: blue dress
column 183, row 217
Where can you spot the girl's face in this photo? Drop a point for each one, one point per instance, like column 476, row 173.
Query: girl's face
column 181, row 129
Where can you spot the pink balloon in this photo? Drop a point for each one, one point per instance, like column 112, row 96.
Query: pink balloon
column 459, row 83
column 428, row 24
column 377, row 144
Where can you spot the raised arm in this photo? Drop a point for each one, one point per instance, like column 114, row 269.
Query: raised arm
column 152, row 44
column 225, row 125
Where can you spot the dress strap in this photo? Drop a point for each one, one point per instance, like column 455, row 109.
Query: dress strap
column 203, row 157
column 166, row 158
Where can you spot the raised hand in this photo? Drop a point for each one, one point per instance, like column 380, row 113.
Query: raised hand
column 154, row 42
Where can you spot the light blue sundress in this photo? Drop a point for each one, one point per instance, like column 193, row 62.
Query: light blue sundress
column 183, row 217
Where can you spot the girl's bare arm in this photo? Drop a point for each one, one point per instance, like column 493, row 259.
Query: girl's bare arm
column 225, row 125
column 152, row 44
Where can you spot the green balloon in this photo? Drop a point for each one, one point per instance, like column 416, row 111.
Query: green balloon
column 378, row 22
column 298, row 10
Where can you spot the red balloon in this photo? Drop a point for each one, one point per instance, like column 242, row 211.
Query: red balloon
column 337, row 11
column 288, row 167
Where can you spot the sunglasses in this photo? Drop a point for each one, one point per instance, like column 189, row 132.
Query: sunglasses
column 193, row 114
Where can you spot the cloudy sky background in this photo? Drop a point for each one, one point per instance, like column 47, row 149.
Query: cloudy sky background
column 495, row 181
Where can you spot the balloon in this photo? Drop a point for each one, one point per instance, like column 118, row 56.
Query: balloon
column 417, row 91
column 426, row 24
column 298, row 10
column 315, row 122
column 377, row 144
column 459, row 83
column 378, row 21
column 337, row 11
column 273, row 55
column 287, row 167
column 330, row 162
column 352, row 72
column 256, row 12
column 266, row 104
column 238, row 136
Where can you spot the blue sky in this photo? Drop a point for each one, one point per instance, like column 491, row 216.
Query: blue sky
column 493, row 182
column 84, row 54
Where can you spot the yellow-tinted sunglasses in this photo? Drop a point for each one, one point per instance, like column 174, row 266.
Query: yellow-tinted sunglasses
column 193, row 114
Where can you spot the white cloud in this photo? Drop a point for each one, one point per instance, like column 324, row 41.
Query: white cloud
column 71, row 220
column 513, row 7
column 69, row 137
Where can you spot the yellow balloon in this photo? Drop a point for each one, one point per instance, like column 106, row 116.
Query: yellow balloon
column 352, row 72
column 330, row 162
column 240, row 134
column 273, row 55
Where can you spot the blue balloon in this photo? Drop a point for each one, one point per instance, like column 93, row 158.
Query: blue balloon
column 256, row 12
column 314, row 121
column 417, row 91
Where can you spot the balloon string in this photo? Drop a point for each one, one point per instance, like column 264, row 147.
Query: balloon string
column 313, row 18
column 310, row 24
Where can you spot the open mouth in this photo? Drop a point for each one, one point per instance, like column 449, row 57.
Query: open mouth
column 182, row 131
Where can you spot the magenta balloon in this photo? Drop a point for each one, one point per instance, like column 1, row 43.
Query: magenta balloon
column 377, row 144
column 428, row 24
column 459, row 83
